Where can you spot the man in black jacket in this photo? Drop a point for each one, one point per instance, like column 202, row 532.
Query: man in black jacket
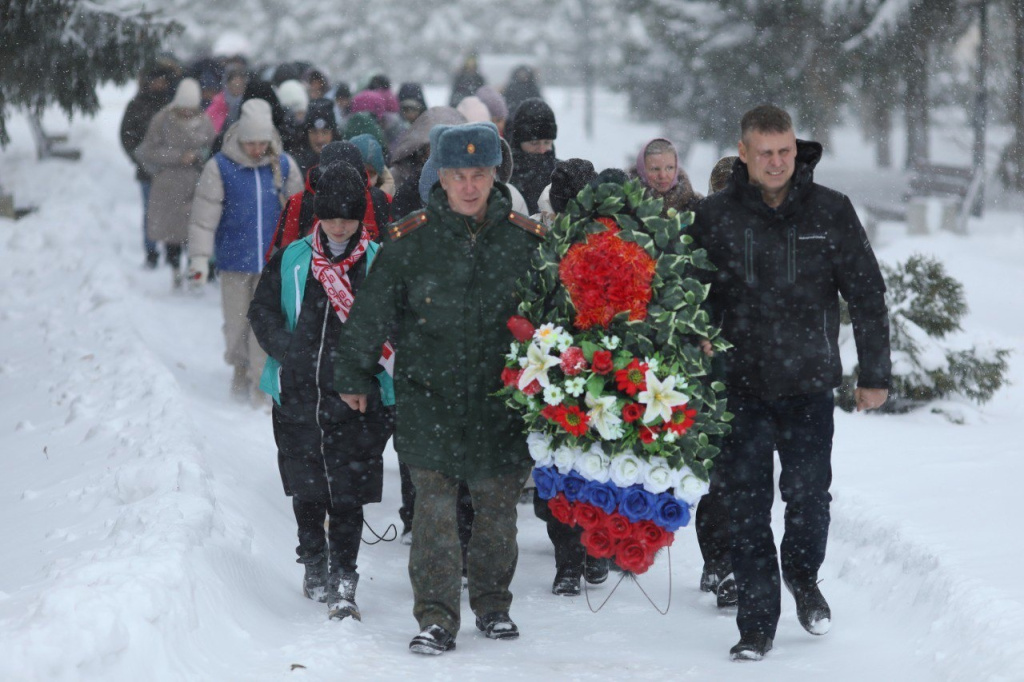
column 785, row 249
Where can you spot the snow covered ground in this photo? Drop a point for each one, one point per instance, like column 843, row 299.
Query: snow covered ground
column 146, row 536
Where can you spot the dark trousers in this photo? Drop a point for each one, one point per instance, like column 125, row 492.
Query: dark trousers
column 340, row 542
column 801, row 429
column 174, row 255
column 712, row 526
column 569, row 551
column 434, row 561
column 147, row 243
column 464, row 510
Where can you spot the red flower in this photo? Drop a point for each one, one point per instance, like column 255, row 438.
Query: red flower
column 587, row 515
column 572, row 419
column 552, row 412
column 597, row 542
column 606, row 276
column 510, row 377
column 562, row 510
column 647, row 435
column 631, row 378
column 618, row 526
column 522, row 329
column 602, row 362
column 573, row 361
column 651, row 535
column 532, row 388
column 632, row 556
column 682, row 419
column 632, row 411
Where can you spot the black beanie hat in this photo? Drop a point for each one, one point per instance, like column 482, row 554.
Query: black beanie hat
column 334, row 152
column 568, row 178
column 340, row 193
column 533, row 120
column 614, row 176
column 320, row 116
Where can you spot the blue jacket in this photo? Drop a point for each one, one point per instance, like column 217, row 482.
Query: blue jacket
column 247, row 225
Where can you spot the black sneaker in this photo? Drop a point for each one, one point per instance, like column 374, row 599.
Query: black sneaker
column 811, row 608
column 728, row 594
column 433, row 641
column 595, row 571
column 751, row 647
column 497, row 625
column 567, row 582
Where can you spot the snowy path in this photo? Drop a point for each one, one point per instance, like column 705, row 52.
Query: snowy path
column 146, row 534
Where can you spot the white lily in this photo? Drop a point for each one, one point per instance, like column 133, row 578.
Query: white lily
column 603, row 415
column 538, row 362
column 660, row 397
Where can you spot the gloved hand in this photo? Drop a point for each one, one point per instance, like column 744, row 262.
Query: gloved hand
column 198, row 271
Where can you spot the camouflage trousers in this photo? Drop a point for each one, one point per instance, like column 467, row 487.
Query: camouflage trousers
column 435, row 559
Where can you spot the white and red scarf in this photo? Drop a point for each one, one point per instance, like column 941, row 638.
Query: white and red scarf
column 334, row 276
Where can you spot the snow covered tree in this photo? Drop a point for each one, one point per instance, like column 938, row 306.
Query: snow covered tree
column 902, row 38
column 58, row 51
column 926, row 306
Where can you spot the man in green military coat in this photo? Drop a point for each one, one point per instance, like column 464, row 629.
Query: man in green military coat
column 444, row 288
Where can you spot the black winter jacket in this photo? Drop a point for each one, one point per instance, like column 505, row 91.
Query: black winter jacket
column 325, row 449
column 780, row 272
column 137, row 115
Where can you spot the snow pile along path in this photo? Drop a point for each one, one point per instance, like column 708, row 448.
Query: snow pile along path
column 102, row 451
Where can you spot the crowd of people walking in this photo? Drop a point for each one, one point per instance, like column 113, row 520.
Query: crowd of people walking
column 365, row 245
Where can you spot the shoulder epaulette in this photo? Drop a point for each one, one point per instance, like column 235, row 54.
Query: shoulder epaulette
column 528, row 224
column 400, row 229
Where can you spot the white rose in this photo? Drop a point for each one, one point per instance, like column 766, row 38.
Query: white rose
column 594, row 465
column 625, row 470
column 690, row 489
column 564, row 458
column 657, row 476
column 540, row 448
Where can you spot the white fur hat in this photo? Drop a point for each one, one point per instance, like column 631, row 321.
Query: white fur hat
column 293, row 95
column 474, row 109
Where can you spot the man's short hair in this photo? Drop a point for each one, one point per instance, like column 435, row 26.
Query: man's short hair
column 766, row 118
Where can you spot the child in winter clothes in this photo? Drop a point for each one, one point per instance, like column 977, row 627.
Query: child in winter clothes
column 330, row 456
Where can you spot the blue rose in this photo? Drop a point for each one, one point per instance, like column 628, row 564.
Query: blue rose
column 548, row 482
column 572, row 485
column 637, row 504
column 601, row 495
column 670, row 514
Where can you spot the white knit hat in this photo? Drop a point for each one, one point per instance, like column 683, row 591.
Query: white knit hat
column 256, row 123
column 188, row 95
column 293, row 95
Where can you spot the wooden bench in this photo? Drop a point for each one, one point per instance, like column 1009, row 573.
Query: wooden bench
column 957, row 187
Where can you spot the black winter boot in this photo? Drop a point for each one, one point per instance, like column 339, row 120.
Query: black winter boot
column 341, row 602
column 811, row 608
column 595, row 571
column 567, row 581
column 751, row 647
column 314, row 584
